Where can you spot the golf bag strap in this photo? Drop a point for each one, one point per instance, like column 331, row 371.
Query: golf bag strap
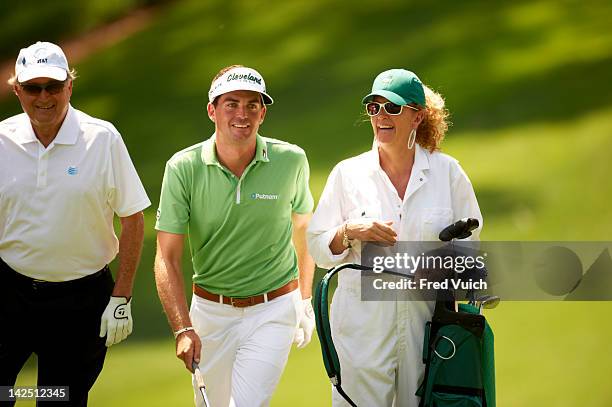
column 346, row 397
column 330, row 356
column 429, row 384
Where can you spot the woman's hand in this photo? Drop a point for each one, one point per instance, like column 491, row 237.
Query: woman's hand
column 372, row 230
column 367, row 230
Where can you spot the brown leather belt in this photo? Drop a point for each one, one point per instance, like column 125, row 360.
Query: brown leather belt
column 248, row 301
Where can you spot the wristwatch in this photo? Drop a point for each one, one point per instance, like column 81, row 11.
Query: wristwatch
column 346, row 242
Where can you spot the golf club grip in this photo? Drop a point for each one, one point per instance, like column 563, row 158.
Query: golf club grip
column 199, row 378
column 461, row 227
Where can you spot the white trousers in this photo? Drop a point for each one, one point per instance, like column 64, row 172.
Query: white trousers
column 244, row 350
column 379, row 345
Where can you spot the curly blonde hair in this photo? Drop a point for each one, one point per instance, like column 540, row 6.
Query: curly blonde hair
column 432, row 129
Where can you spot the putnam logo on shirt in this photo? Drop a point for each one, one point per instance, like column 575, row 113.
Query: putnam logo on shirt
column 266, row 197
column 72, row 170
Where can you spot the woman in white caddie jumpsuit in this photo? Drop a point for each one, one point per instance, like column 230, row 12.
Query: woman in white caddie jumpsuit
column 404, row 189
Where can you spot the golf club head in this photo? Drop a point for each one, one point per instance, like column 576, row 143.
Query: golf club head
column 459, row 230
column 489, row 301
column 200, row 382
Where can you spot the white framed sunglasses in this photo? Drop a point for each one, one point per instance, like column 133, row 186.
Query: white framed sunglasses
column 373, row 108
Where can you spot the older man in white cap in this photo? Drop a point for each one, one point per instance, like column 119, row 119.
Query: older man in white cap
column 63, row 176
column 245, row 202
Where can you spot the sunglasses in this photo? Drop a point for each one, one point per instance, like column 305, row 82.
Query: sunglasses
column 53, row 88
column 373, row 108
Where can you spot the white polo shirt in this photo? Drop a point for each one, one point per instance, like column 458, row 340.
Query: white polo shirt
column 57, row 203
column 438, row 194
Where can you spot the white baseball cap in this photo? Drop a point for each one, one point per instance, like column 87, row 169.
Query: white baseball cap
column 239, row 78
column 41, row 60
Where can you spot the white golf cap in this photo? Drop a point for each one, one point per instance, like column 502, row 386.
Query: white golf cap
column 41, row 60
column 240, row 78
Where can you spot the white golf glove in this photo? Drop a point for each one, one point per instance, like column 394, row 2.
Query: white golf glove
column 306, row 325
column 116, row 322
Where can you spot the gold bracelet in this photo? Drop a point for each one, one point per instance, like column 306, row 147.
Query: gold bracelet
column 346, row 242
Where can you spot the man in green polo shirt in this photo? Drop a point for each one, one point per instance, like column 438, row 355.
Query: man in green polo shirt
column 244, row 201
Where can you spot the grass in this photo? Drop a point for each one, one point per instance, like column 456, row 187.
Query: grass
column 528, row 84
column 542, row 181
column 547, row 354
column 148, row 374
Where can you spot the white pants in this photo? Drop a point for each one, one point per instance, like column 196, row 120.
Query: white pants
column 244, row 350
column 379, row 345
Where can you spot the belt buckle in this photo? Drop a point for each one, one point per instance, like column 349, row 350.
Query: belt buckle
column 242, row 302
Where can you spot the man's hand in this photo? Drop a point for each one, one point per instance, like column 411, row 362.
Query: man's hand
column 116, row 323
column 306, row 325
column 188, row 348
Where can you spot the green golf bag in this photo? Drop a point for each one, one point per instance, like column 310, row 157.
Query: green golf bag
column 457, row 349
column 459, row 360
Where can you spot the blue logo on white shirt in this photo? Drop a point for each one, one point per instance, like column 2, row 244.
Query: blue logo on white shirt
column 72, row 170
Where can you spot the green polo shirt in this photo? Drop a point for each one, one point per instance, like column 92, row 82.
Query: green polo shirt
column 239, row 228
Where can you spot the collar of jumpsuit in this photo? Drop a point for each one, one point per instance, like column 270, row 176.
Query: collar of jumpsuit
column 417, row 177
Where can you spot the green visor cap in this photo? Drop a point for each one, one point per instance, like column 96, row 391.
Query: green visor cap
column 399, row 86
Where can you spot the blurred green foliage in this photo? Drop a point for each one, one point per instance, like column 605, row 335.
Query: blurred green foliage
column 27, row 21
column 529, row 87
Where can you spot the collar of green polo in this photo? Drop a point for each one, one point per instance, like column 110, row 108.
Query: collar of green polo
column 209, row 153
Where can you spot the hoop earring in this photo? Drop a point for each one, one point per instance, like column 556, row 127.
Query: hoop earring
column 411, row 139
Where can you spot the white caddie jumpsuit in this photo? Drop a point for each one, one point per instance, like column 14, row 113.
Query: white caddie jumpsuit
column 380, row 343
